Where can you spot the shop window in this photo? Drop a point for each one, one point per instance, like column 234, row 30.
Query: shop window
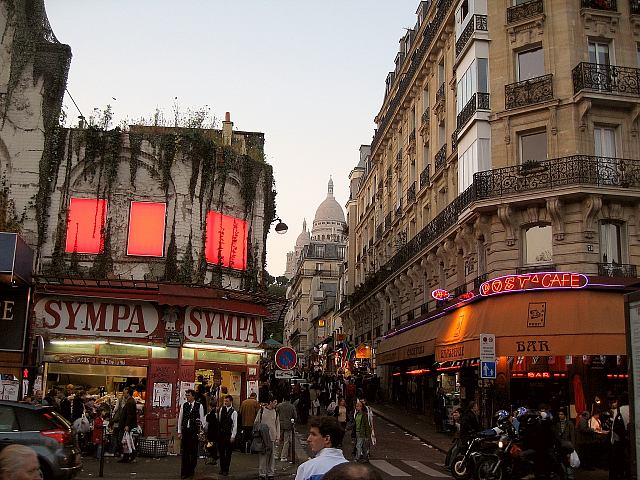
column 611, row 243
column 226, row 241
column 538, row 245
column 533, row 146
column 85, row 227
column 530, row 64
column 146, row 229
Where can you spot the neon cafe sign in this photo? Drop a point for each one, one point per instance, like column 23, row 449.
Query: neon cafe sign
column 533, row 281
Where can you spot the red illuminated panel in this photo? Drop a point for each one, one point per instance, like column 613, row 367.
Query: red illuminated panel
column 85, row 226
column 226, row 241
column 440, row 294
column 146, row 229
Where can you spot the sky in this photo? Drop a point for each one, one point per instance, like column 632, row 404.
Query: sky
column 310, row 75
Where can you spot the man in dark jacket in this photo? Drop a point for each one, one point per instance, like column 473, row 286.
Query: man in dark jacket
column 227, row 427
column 129, row 420
column 470, row 422
column 189, row 420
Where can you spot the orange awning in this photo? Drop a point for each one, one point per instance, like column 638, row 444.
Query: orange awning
column 537, row 323
column 414, row 343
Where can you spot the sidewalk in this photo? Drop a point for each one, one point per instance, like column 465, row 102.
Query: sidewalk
column 421, row 426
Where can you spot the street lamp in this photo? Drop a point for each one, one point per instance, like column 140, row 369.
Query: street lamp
column 281, row 227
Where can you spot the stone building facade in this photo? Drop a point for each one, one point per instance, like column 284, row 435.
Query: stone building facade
column 506, row 144
column 310, row 317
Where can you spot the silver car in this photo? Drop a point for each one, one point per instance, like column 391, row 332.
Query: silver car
column 46, row 432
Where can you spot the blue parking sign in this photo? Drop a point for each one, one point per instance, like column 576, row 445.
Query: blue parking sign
column 487, row 369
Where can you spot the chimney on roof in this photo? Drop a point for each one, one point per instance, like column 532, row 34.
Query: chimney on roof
column 227, row 129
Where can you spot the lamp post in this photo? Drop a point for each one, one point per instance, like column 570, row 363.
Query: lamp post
column 281, row 227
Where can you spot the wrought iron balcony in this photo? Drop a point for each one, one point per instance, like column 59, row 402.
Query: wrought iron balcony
column 441, row 157
column 617, row 270
column 529, row 92
column 454, row 140
column 524, row 11
column 478, row 101
column 424, row 176
column 477, row 22
column 440, row 93
column 379, row 231
column 387, row 221
column 411, row 193
column 412, row 137
column 479, row 280
column 560, row 172
column 606, row 78
column 610, row 5
column 425, row 117
column 548, row 267
column 634, row 6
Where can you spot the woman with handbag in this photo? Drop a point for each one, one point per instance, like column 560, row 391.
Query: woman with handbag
column 268, row 424
column 212, row 435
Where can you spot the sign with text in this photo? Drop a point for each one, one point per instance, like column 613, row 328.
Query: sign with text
column 487, row 347
column 533, row 281
column 208, row 326
column 13, row 317
column 280, row 374
column 106, row 318
column 162, row 395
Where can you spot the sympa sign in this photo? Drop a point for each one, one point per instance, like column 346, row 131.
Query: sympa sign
column 533, row 281
column 140, row 320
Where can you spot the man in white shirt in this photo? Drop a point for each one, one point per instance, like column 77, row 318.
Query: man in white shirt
column 324, row 433
column 190, row 419
column 227, row 428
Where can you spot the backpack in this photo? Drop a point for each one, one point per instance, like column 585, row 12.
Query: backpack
column 619, row 429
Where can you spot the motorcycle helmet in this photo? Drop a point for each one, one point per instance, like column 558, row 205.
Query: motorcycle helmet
column 521, row 411
column 502, row 415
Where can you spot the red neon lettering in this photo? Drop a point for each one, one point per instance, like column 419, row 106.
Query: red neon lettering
column 496, row 286
column 509, row 283
column 546, row 282
column 523, row 280
column 575, row 280
column 535, row 278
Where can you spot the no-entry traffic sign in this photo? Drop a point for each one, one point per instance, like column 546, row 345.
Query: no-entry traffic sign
column 286, row 358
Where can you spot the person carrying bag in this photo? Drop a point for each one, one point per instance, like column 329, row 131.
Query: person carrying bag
column 267, row 427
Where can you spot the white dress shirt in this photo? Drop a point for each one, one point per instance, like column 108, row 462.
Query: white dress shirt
column 203, row 419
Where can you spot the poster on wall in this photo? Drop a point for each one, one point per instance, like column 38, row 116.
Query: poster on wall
column 162, row 395
column 9, row 390
column 252, row 387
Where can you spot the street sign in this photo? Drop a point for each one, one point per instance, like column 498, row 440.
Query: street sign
column 487, row 347
column 286, row 358
column 284, row 374
column 487, row 369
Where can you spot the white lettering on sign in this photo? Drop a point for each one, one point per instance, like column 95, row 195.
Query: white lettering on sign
column 222, row 328
column 117, row 319
column 7, row 309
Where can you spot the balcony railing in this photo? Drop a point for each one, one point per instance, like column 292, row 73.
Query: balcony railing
column 634, row 6
column 424, row 176
column 560, row 172
column 425, row 117
column 551, row 174
column 477, row 22
column 524, row 11
column 320, row 273
column 429, row 37
column 399, row 209
column 440, row 93
column 459, row 290
column 478, row 101
column 387, row 221
column 606, row 78
column 529, row 92
column 412, row 136
column 441, row 158
column 454, row 140
column 617, row 270
column 411, row 193
column 479, row 280
column 610, row 5
column 379, row 231
column 547, row 267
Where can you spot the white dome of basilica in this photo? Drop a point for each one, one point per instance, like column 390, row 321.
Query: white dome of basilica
column 329, row 210
column 304, row 238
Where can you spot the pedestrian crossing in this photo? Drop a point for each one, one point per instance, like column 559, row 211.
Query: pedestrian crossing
column 409, row 468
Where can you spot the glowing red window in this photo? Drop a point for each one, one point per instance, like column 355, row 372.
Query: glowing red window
column 226, row 241
column 146, row 229
column 85, row 227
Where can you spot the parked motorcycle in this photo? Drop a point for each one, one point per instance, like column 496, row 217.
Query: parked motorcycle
column 462, row 463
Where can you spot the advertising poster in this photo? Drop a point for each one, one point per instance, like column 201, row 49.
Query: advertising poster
column 162, row 395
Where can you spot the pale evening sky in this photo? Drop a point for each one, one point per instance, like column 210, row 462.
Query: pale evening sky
column 310, row 75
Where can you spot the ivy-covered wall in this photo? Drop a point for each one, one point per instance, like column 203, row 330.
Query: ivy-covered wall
column 192, row 170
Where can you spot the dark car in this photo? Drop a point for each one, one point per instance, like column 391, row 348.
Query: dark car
column 46, row 432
